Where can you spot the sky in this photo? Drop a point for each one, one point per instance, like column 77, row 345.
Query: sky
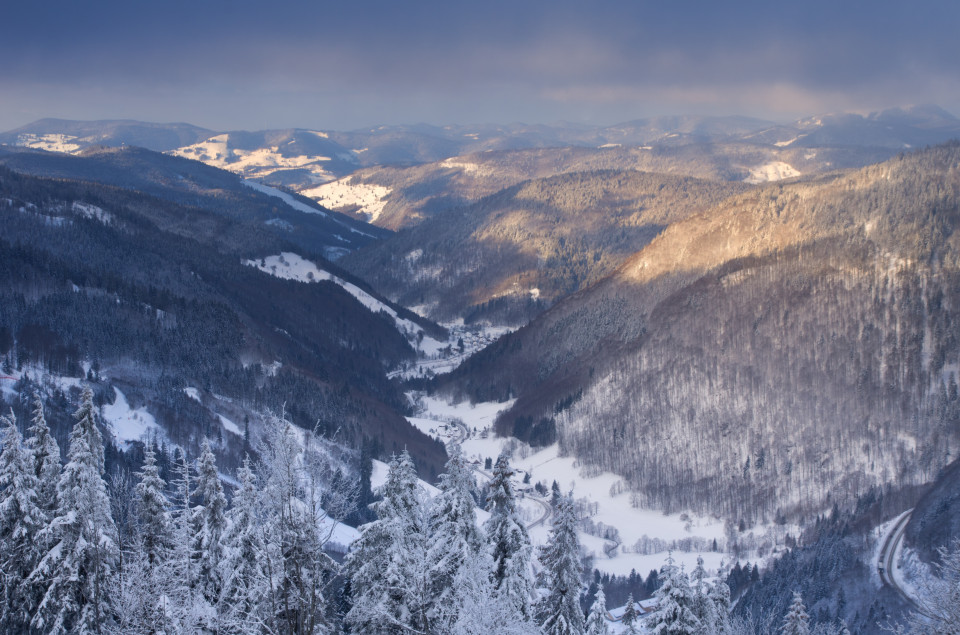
column 350, row 64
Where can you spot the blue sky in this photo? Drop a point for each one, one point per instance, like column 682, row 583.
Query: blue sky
column 354, row 63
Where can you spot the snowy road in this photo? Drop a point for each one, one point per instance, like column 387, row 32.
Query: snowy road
column 888, row 557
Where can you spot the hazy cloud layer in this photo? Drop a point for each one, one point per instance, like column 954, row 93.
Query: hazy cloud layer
column 352, row 63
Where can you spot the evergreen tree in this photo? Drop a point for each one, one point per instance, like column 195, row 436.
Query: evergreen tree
column 453, row 539
column 189, row 611
column 630, row 615
column 673, row 615
column 701, row 604
column 21, row 519
column 796, row 622
column 298, row 566
column 482, row 611
column 210, row 521
column 77, row 569
column 244, row 580
column 509, row 542
column 719, row 596
column 559, row 610
column 46, row 459
column 597, row 618
column 153, row 514
column 386, row 565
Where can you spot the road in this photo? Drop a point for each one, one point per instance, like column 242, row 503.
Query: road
column 887, row 560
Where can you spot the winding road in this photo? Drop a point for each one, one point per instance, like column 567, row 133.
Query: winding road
column 888, row 553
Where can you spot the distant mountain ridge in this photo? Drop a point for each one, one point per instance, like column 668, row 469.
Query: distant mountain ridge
column 301, row 158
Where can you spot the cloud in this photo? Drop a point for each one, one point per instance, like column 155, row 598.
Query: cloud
column 495, row 60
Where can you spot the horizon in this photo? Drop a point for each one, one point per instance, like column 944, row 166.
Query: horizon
column 413, row 124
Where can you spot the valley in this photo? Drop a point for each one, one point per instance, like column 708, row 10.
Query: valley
column 716, row 338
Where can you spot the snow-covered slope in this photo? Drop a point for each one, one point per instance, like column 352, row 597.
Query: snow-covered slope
column 291, row 266
column 290, row 157
column 298, row 205
column 773, row 171
column 366, row 198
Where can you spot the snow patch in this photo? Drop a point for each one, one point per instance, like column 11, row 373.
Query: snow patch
column 259, row 163
column 128, row 424
column 369, row 198
column 193, row 393
column 49, row 142
column 230, row 426
column 92, row 211
column 773, row 171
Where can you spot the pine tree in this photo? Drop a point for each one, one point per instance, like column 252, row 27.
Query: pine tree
column 482, row 611
column 21, row 519
column 453, row 538
column 387, row 564
column 597, row 618
column 153, row 514
column 719, row 596
column 673, row 615
column 796, row 622
column 244, row 580
column 559, row 610
column 292, row 535
column 46, row 459
column 210, row 521
column 509, row 542
column 630, row 615
column 77, row 570
column 701, row 605
column 146, row 586
column 189, row 612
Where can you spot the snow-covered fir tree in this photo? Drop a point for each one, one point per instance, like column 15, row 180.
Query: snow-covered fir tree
column 700, row 603
column 796, row 622
column 454, row 539
column 558, row 611
column 209, row 519
column 185, row 598
column 298, row 567
column 153, row 513
column 719, row 596
column 147, row 582
column 509, row 542
column 245, row 583
column 630, row 615
column 482, row 610
column 21, row 519
column 46, row 458
column 597, row 617
column 386, row 566
column 77, row 569
column 674, row 614
column 939, row 597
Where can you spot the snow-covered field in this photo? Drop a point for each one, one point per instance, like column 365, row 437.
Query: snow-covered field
column 49, row 142
column 773, row 171
column 337, row 195
column 259, row 163
column 471, row 425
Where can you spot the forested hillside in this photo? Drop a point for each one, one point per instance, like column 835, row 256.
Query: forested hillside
column 512, row 254
column 795, row 345
column 155, row 295
column 409, row 195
